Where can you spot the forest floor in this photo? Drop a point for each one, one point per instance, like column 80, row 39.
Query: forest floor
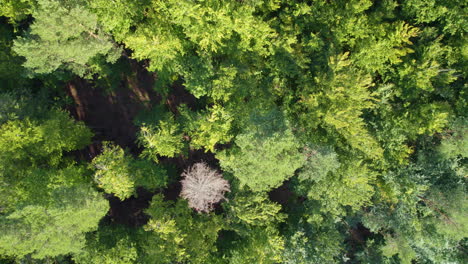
column 110, row 114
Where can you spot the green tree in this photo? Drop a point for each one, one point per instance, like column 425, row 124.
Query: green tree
column 33, row 142
column 338, row 105
column 109, row 245
column 454, row 142
column 11, row 70
column 165, row 139
column 333, row 183
column 31, row 149
column 16, row 10
column 262, row 245
column 47, row 202
column 319, row 162
column 208, row 128
column 421, row 213
column 174, row 233
column 307, row 243
column 65, row 36
column 120, row 174
column 55, row 228
column 266, row 153
column 253, row 209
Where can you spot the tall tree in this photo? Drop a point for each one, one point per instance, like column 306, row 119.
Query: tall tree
column 53, row 229
column 120, row 174
column 48, row 203
column 265, row 154
column 173, row 233
column 65, row 35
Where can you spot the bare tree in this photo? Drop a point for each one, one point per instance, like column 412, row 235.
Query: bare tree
column 203, row 187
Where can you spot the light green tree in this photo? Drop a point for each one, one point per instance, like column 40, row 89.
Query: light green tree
column 261, row 245
column 47, row 201
column 266, row 153
column 32, row 151
column 208, row 128
column 16, row 10
column 109, row 245
column 54, row 228
column 65, row 36
column 174, row 233
column 253, row 209
column 120, row 174
column 165, row 139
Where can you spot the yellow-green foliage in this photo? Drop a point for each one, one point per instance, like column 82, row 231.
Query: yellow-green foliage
column 37, row 141
column 338, row 105
column 254, row 209
column 109, row 245
column 120, row 174
column 165, row 139
column 338, row 124
column 31, row 156
column 208, row 128
column 263, row 163
column 174, row 234
column 16, row 10
column 350, row 185
column 262, row 245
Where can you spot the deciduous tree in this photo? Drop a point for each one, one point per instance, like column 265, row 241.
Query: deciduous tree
column 119, row 173
column 65, row 36
column 203, row 187
column 266, row 153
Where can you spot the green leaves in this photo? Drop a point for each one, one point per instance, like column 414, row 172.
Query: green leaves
column 263, row 246
column 338, row 103
column 376, row 53
column 109, row 245
column 454, row 142
column 34, row 142
column 209, row 127
column 66, row 37
column 320, row 161
column 31, row 151
column 254, row 209
column 55, row 229
column 120, row 174
column 353, row 108
column 174, row 234
column 165, row 139
column 265, row 155
column 16, row 10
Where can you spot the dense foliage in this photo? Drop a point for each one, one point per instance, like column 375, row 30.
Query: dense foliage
column 234, row 131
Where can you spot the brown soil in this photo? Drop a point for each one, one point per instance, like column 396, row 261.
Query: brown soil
column 110, row 114
column 129, row 212
column 282, row 195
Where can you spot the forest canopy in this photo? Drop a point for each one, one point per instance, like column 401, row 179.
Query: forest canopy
column 233, row 131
